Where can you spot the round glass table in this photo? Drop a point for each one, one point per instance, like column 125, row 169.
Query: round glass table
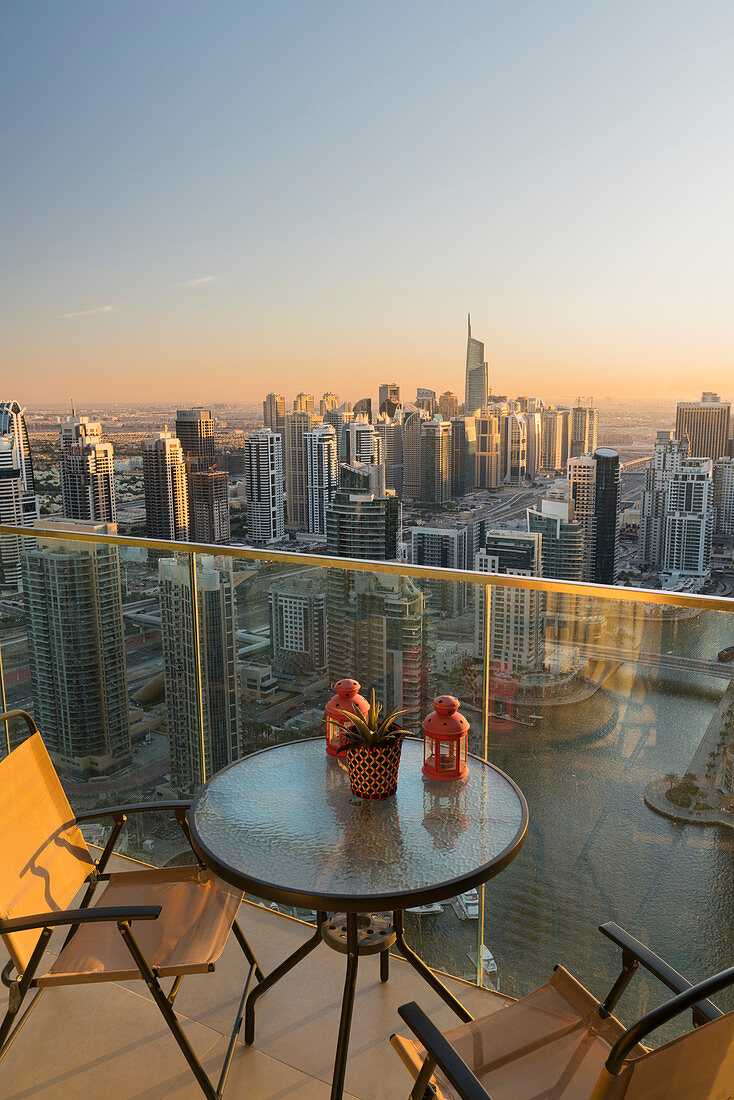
column 284, row 825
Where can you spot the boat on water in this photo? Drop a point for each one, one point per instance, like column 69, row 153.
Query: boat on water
column 426, row 910
column 469, row 904
column 489, row 963
column 538, row 716
column 726, row 654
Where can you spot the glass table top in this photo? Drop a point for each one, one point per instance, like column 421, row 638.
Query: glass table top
column 284, row 825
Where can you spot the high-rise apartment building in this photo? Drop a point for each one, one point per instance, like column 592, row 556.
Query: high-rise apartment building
column 363, row 407
column 362, row 522
column 86, row 471
column 322, row 475
column 533, row 443
column 488, row 473
column 448, row 544
column 217, row 663
column 12, row 423
column 389, row 392
column 448, row 405
column 555, row 439
column 166, row 491
column 584, row 430
column 360, row 441
column 274, row 412
column 705, row 423
column 264, row 486
column 476, row 389
column 328, row 402
column 426, row 399
column 339, row 417
column 516, row 631
column 297, row 426
column 594, row 484
column 209, row 507
column 724, row 496
column 463, row 455
column 391, row 445
column 376, row 632
column 412, row 422
column 562, row 538
column 298, row 627
column 195, row 429
column 514, row 448
column 76, row 646
column 303, row 403
column 689, row 520
column 669, row 454
column 435, row 461
column 11, row 513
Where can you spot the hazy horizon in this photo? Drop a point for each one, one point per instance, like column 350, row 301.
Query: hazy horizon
column 217, row 201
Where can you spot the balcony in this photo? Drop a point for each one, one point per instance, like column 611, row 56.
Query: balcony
column 609, row 707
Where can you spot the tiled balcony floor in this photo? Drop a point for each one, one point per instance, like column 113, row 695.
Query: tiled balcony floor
column 110, row 1041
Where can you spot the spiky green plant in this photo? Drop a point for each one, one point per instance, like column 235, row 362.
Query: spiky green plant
column 372, row 731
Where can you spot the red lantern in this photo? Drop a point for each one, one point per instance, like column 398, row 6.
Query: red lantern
column 346, row 701
column 445, row 740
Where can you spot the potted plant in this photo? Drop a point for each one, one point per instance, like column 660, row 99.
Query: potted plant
column 373, row 752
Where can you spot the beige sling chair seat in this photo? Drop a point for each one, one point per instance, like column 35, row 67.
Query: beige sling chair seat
column 148, row 923
column 560, row 1043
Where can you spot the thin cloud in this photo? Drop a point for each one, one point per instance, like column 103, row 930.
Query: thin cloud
column 200, row 282
column 89, row 312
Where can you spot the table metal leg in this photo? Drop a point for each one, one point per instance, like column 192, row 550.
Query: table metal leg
column 417, row 963
column 384, row 965
column 345, row 1023
column 275, row 976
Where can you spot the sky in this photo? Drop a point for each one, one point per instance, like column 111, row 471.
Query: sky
column 208, row 201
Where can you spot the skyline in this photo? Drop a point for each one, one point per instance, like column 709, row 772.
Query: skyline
column 324, row 193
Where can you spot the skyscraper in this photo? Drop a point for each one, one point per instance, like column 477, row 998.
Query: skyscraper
column 689, row 520
column 391, row 445
column 218, row 668
column 322, row 475
column 363, row 523
column 195, row 429
column 86, row 471
column 448, row 405
column 274, row 412
column 76, row 646
column 705, row 423
column 303, row 403
column 555, row 437
column 426, row 399
column 328, row 401
column 594, row 484
column 264, row 486
column 533, row 443
column 447, row 544
column 476, row 390
column 360, row 442
column 489, row 441
column 724, row 495
column 209, row 507
column 435, row 461
column 11, row 512
column 412, row 454
column 389, row 391
column 514, row 448
column 668, row 456
column 298, row 626
column 463, row 455
column 12, row 423
column 516, row 632
column 166, row 492
column 562, row 538
column 297, row 425
column 584, row 430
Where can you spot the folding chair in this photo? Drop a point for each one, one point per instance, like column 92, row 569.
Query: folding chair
column 560, row 1043
column 182, row 915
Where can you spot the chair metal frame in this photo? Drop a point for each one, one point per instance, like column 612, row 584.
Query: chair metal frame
column 440, row 1052
column 124, row 916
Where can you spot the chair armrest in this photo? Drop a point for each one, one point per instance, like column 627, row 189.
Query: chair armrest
column 442, row 1053
column 668, row 1011
column 80, row 916
column 134, row 808
column 703, row 1012
column 6, row 717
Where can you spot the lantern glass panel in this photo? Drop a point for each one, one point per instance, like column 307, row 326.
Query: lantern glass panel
column 464, row 741
column 334, row 732
column 448, row 756
column 429, row 751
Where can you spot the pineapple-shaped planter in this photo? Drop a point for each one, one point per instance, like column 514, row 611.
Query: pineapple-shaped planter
column 373, row 752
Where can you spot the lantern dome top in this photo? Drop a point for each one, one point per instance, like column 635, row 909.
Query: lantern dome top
column 347, row 688
column 445, row 718
column 446, row 704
